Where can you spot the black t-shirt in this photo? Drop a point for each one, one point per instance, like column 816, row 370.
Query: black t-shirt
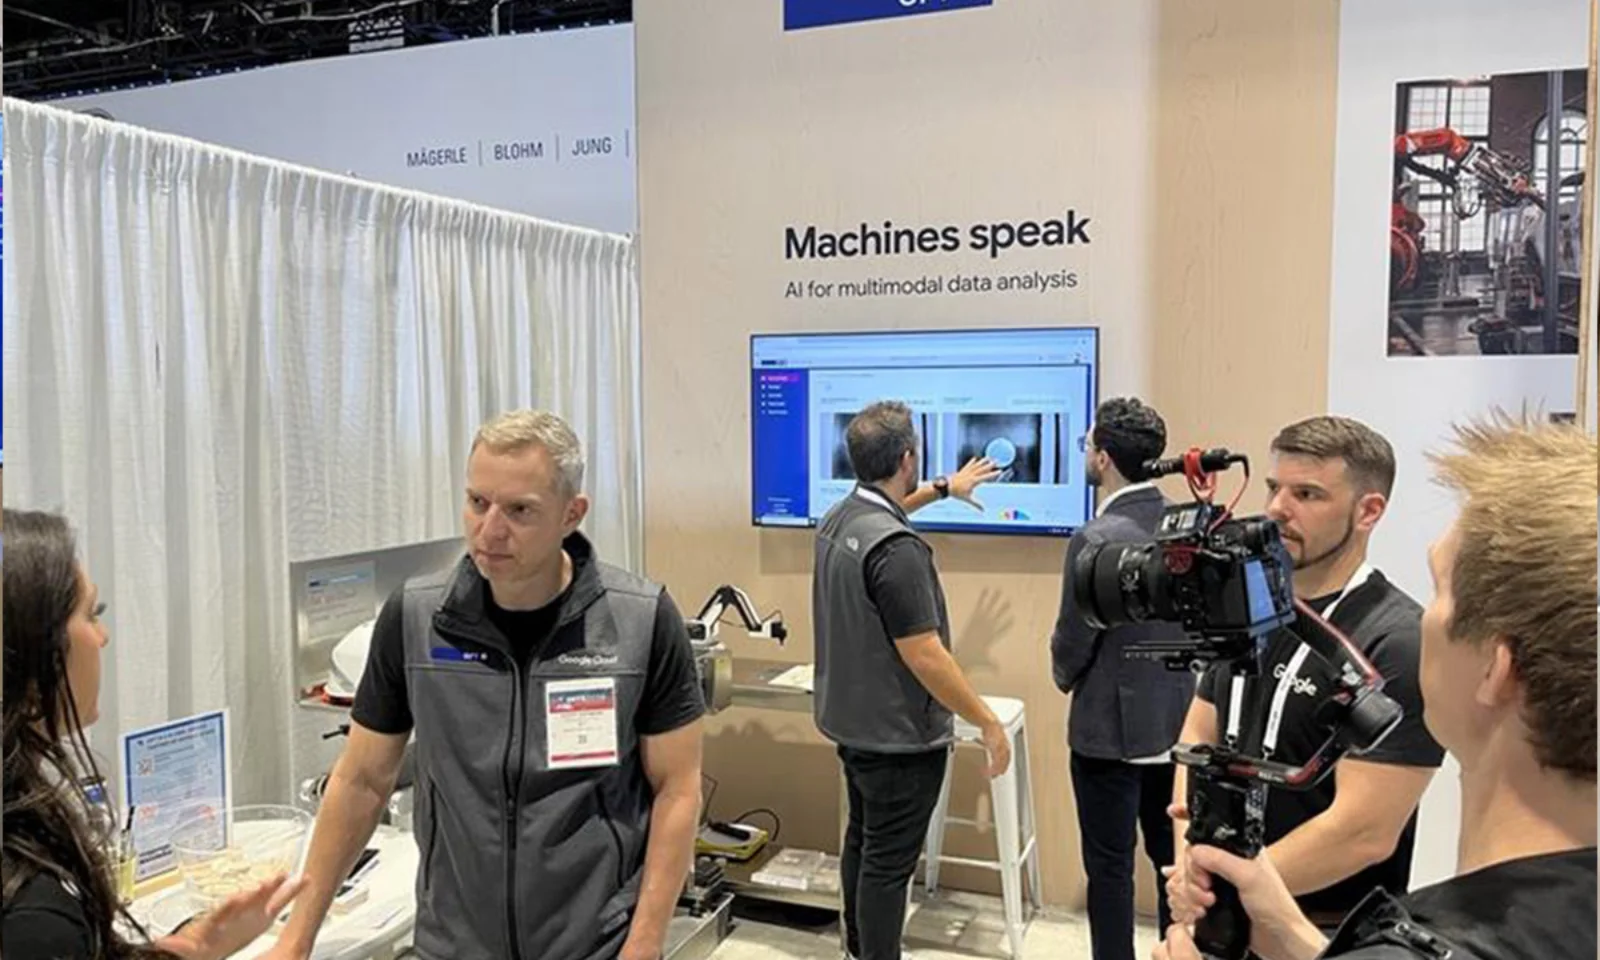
column 672, row 695
column 903, row 585
column 1532, row 908
column 45, row 922
column 1386, row 624
column 526, row 629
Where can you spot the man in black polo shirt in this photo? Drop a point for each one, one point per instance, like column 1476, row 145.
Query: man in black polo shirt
column 1508, row 677
column 1329, row 486
column 557, row 720
column 886, row 684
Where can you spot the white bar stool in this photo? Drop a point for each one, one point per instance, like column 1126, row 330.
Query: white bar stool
column 1014, row 823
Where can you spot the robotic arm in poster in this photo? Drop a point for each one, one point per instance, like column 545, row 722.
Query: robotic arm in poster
column 1227, row 581
column 1529, row 262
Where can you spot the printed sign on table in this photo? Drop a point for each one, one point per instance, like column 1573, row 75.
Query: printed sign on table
column 169, row 773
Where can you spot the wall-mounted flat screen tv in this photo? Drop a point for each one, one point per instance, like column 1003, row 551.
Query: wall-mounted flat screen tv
column 1021, row 396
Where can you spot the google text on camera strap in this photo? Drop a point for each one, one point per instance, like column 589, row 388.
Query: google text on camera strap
column 1286, row 683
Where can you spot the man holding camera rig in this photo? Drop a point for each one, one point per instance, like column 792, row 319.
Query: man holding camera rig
column 1125, row 713
column 1329, row 486
column 1508, row 678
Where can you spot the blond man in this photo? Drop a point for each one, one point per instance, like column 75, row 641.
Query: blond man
column 556, row 710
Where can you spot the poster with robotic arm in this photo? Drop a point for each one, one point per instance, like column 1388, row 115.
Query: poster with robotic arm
column 1485, row 243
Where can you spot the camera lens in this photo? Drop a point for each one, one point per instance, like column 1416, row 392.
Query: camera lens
column 1261, row 535
column 1117, row 583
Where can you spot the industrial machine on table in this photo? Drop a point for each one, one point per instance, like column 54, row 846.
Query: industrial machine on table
column 750, row 860
column 737, row 842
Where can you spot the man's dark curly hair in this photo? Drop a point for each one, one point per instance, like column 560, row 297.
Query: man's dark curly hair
column 1130, row 433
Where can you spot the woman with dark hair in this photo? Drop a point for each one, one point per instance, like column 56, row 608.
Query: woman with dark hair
column 60, row 901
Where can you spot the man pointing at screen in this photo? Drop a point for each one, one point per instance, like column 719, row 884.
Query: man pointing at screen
column 886, row 684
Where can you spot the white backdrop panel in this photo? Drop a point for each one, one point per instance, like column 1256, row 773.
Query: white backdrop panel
column 1413, row 400
column 230, row 363
column 468, row 111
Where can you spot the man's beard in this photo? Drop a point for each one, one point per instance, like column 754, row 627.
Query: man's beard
column 1333, row 551
column 1093, row 475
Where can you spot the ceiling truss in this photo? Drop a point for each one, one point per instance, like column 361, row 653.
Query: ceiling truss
column 56, row 48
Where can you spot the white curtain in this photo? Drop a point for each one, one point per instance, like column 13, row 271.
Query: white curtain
column 215, row 364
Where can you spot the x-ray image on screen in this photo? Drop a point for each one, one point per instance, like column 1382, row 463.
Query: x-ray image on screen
column 1069, row 447
column 1014, row 441
column 836, row 425
column 1019, row 395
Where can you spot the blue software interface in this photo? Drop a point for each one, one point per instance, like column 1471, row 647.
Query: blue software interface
column 1023, row 398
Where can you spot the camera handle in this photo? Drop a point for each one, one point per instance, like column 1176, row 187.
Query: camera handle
column 1224, row 932
column 1228, row 789
column 1230, row 814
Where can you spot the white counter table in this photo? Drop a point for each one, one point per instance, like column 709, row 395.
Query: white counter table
column 375, row 928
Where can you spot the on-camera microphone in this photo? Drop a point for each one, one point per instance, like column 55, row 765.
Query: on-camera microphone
column 1210, row 461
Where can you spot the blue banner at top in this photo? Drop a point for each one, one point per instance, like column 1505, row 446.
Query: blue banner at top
column 802, row 14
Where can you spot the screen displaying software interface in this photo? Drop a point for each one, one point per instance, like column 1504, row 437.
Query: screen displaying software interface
column 1022, row 398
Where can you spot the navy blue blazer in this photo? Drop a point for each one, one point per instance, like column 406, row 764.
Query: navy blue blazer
column 1121, row 709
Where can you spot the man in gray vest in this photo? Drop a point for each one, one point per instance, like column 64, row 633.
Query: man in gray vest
column 885, row 681
column 558, row 735
column 1126, row 713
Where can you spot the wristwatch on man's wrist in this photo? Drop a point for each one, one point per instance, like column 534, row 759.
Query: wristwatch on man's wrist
column 941, row 486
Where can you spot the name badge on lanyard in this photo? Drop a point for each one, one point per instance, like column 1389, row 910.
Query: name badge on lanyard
column 580, row 719
column 1291, row 673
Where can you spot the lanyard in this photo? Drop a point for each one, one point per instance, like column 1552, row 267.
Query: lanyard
column 1362, row 575
column 1286, row 683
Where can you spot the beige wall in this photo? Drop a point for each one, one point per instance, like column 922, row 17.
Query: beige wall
column 1201, row 136
column 1244, row 219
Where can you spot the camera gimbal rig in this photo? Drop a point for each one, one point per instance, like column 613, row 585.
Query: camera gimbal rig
column 1227, row 790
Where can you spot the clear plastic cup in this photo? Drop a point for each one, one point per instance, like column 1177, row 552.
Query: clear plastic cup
column 125, row 863
column 224, row 852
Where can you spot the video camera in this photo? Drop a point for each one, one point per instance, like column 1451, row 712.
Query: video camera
column 1229, row 583
column 1225, row 580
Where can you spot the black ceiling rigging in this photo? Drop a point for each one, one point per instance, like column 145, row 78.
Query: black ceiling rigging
column 56, row 48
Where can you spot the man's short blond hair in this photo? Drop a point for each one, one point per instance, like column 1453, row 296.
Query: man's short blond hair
column 1525, row 572
column 517, row 430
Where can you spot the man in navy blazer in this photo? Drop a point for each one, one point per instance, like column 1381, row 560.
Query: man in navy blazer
column 1126, row 714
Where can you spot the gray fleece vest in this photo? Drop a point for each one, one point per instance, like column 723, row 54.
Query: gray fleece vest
column 865, row 697
column 519, row 861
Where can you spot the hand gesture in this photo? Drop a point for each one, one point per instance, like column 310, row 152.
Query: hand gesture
column 973, row 474
column 1278, row 930
column 998, row 746
column 1184, row 885
column 1178, row 945
column 234, row 923
column 631, row 950
column 641, row 945
column 283, row 950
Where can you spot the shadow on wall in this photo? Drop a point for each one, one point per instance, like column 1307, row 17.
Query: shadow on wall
column 976, row 639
